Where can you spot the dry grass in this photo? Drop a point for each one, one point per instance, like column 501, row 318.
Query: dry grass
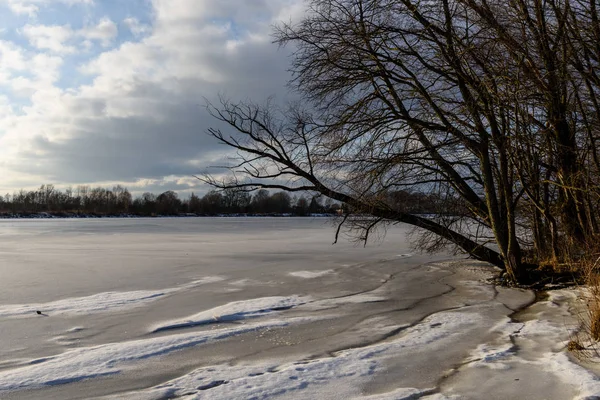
column 584, row 343
column 574, row 345
column 593, row 306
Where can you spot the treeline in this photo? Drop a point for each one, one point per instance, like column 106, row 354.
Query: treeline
column 98, row 201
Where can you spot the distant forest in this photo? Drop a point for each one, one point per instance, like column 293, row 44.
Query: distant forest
column 87, row 201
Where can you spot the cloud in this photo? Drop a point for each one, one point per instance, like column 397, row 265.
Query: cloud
column 63, row 39
column 32, row 7
column 138, row 115
column 136, row 27
column 105, row 31
column 50, row 37
column 24, row 72
column 21, row 8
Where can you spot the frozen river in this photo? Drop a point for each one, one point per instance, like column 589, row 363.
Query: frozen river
column 240, row 308
column 45, row 260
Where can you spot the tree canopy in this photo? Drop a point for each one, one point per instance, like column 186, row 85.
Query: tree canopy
column 491, row 106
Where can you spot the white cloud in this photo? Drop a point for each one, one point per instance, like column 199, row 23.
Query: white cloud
column 46, row 67
column 63, row 39
column 50, row 37
column 32, row 7
column 105, row 31
column 139, row 116
column 25, row 72
column 136, row 27
column 23, row 9
column 12, row 57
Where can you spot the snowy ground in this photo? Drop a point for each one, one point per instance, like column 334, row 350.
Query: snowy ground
column 281, row 314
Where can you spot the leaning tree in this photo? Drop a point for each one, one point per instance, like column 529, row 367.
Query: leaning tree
column 491, row 106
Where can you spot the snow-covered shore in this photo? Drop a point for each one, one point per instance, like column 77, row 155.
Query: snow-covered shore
column 460, row 341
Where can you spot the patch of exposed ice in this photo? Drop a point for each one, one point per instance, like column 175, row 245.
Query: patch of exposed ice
column 535, row 330
column 251, row 282
column 234, row 311
column 15, row 362
column 361, row 298
column 507, row 327
column 439, row 396
column 542, row 328
column 409, row 394
column 100, row 302
column 399, row 394
column 492, row 356
column 560, row 296
column 202, row 281
column 477, row 287
column 310, row 274
column 96, row 303
column 244, row 282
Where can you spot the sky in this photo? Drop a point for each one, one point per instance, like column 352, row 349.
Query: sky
column 106, row 92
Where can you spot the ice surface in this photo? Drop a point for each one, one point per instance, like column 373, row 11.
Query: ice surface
column 381, row 324
column 101, row 302
column 400, row 394
column 235, row 311
column 341, row 375
column 109, row 359
column 310, row 274
column 361, row 298
column 202, row 281
column 531, row 350
column 96, row 303
column 560, row 365
column 491, row 356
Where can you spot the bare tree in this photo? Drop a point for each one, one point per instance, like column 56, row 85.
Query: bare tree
column 489, row 105
column 272, row 151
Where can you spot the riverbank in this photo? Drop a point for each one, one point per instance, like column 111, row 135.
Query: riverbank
column 434, row 331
